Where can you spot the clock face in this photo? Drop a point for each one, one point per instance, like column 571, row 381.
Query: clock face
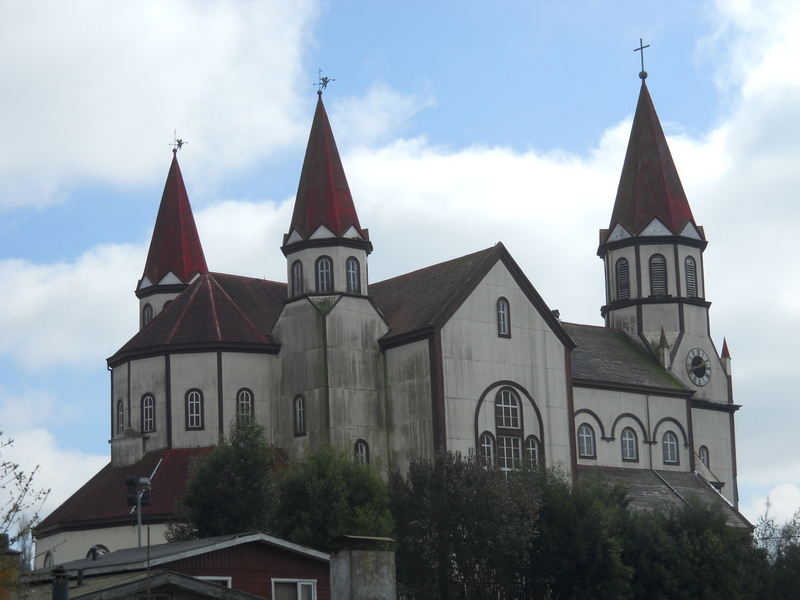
column 698, row 367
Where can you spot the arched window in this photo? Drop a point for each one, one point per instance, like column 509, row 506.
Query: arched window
column 623, row 280
column 147, row 314
column 486, row 448
column 244, row 404
column 120, row 416
column 299, row 415
column 49, row 561
column 630, row 445
column 97, row 550
column 508, row 420
column 704, row 456
column 361, row 451
column 503, row 318
column 532, row 450
column 148, row 413
column 297, row 278
column 194, row 409
column 324, row 275
column 353, row 276
column 586, row 447
column 670, row 444
column 658, row 275
column 691, row 277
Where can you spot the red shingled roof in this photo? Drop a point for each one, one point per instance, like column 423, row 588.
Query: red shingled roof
column 323, row 196
column 175, row 246
column 216, row 310
column 649, row 186
column 101, row 502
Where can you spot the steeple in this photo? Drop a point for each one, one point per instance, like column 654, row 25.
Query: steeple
column 326, row 247
column 176, row 256
column 323, row 195
column 650, row 198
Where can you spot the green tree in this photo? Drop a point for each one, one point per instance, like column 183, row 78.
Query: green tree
column 230, row 489
column 327, row 494
column 463, row 528
column 781, row 545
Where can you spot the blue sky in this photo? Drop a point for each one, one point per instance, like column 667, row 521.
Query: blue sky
column 460, row 124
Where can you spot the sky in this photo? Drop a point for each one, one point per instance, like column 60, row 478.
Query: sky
column 460, row 123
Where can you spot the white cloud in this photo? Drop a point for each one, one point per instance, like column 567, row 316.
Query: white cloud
column 92, row 102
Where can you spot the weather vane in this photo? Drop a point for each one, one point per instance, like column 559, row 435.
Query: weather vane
column 323, row 82
column 177, row 142
column 642, row 73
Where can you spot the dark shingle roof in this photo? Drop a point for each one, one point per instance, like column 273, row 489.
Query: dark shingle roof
column 662, row 490
column 610, row 357
column 101, row 501
column 414, row 301
column 217, row 309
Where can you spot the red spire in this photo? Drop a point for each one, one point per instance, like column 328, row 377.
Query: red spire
column 725, row 352
column 175, row 246
column 323, row 196
column 649, row 187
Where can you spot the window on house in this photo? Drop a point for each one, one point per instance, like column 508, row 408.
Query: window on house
column 532, row 450
column 361, row 451
column 324, row 275
column 288, row 589
column 299, row 416
column 586, row 447
column 487, row 448
column 148, row 413
column 120, row 416
column 508, row 420
column 147, row 314
column 297, row 278
column 353, row 276
column 691, row 277
column 704, row 456
column 658, row 275
column 623, row 280
column 194, row 409
column 49, row 561
column 670, row 444
column 244, row 404
column 503, row 318
column 630, row 446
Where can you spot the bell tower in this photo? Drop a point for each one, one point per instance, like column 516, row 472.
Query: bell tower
column 653, row 258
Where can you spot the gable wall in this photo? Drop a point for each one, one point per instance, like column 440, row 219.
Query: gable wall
column 476, row 357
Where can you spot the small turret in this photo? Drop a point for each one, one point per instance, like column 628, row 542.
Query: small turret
column 176, row 256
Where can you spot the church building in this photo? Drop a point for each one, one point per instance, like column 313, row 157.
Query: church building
column 464, row 355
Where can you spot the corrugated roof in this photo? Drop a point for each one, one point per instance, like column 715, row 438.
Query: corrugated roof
column 662, row 490
column 175, row 246
column 610, row 357
column 323, row 195
column 217, row 309
column 649, row 186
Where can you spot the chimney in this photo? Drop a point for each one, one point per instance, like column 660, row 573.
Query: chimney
column 60, row 584
column 363, row 568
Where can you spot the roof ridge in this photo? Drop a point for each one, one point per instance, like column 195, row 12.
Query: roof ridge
column 233, row 303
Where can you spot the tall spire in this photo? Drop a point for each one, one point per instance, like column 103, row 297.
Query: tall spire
column 175, row 247
column 649, row 187
column 323, row 196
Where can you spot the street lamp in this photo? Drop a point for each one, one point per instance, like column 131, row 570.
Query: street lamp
column 138, row 496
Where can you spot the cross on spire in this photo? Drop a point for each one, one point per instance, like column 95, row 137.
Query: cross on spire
column 323, row 82
column 642, row 73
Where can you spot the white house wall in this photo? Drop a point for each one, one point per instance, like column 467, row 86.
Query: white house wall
column 66, row 546
column 409, row 403
column 194, row 371
column 532, row 359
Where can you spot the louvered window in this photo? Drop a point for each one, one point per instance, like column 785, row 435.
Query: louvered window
column 658, row 275
column 691, row 277
column 623, row 280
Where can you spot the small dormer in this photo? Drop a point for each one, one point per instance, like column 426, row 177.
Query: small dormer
column 175, row 258
column 326, row 249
